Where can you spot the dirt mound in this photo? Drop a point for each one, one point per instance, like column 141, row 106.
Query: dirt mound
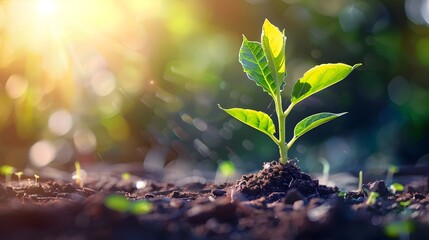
column 276, row 177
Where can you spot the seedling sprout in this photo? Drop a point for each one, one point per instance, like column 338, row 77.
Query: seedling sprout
column 360, row 181
column 7, row 171
column 36, row 177
column 372, row 198
column 390, row 172
column 396, row 187
column 265, row 63
column 19, row 174
column 121, row 204
column 326, row 168
column 227, row 168
column 79, row 175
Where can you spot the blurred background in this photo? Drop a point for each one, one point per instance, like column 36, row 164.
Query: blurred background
column 107, row 81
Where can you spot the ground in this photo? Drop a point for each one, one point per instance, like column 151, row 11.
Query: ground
column 278, row 202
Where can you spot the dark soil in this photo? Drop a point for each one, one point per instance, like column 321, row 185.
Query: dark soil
column 278, row 202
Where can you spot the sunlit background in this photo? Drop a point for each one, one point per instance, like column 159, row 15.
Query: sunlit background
column 106, row 81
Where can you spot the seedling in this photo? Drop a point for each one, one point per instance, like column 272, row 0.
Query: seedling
column 372, row 198
column 121, row 204
column 79, row 175
column 227, row 168
column 396, row 187
column 360, row 181
column 7, row 171
column 36, row 177
column 19, row 174
column 390, row 172
column 265, row 63
column 326, row 168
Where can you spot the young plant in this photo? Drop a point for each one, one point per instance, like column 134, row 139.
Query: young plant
column 19, row 174
column 36, row 177
column 79, row 175
column 265, row 63
column 360, row 181
column 372, row 198
column 7, row 171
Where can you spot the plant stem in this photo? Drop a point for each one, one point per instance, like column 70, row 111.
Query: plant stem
column 281, row 117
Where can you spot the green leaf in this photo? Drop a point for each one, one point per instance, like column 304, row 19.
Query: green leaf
column 319, row 78
column 274, row 45
column 258, row 120
column 255, row 65
column 314, row 121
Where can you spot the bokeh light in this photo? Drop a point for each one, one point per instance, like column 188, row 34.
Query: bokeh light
column 42, row 153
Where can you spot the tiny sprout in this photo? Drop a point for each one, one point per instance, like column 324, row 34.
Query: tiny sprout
column 342, row 194
column 7, row 171
column 405, row 203
column 121, row 204
column 79, row 175
column 227, row 168
column 372, row 198
column 35, row 178
column 396, row 187
column 360, row 181
column 326, row 169
column 390, row 172
column 19, row 174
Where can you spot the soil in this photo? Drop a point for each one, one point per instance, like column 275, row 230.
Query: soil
column 278, row 202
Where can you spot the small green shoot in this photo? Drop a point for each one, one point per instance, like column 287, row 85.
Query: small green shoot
column 7, row 171
column 19, row 174
column 326, row 168
column 36, row 177
column 265, row 63
column 405, row 203
column 227, row 168
column 121, row 204
column 360, row 181
column 396, row 187
column 390, row 172
column 342, row 194
column 372, row 198
column 78, row 175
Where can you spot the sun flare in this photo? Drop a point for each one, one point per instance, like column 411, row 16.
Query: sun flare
column 47, row 7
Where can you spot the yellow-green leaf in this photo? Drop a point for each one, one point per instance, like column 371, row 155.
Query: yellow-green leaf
column 319, row 78
column 258, row 120
column 274, row 44
column 255, row 65
column 314, row 121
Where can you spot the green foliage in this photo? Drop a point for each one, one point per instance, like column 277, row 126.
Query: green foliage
column 121, row 204
column 265, row 63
